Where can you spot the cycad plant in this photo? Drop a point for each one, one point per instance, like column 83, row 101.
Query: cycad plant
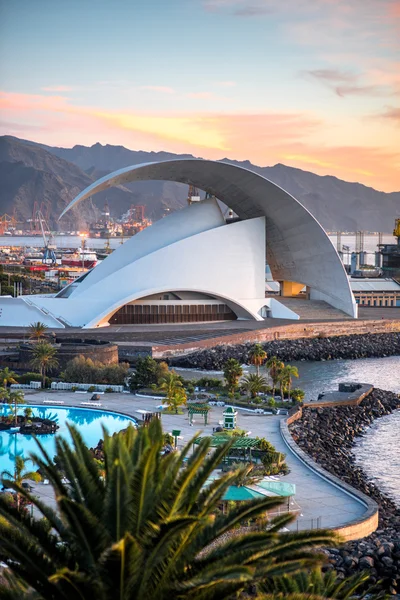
column 315, row 585
column 150, row 528
column 254, row 384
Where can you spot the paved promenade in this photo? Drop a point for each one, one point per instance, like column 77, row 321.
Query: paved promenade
column 321, row 503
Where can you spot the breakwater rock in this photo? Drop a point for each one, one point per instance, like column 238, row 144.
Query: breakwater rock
column 328, row 436
column 376, row 345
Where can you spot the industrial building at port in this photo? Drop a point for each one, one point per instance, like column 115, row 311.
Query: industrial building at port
column 194, row 265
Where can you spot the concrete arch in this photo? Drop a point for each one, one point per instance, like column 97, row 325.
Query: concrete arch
column 297, row 247
column 238, row 308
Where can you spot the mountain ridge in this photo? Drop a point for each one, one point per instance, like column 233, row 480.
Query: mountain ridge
column 336, row 204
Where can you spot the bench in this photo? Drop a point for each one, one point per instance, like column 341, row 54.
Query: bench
column 91, row 404
column 53, row 401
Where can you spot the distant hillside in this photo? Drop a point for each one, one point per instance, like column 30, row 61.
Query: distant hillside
column 31, row 171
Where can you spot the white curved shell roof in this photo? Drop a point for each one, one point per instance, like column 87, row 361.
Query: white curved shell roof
column 297, row 247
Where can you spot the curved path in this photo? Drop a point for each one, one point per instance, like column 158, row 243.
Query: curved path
column 322, row 504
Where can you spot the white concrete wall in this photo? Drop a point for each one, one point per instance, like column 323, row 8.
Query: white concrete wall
column 298, row 248
column 226, row 262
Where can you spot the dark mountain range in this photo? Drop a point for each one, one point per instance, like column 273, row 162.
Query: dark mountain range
column 31, row 171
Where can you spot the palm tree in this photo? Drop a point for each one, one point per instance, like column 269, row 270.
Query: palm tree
column 170, row 382
column 257, row 356
column 232, row 373
column 177, row 399
column 316, row 585
column 275, row 366
column 15, row 398
column 19, row 475
column 37, row 331
column 254, row 384
column 288, row 373
column 44, row 359
column 7, row 376
column 28, row 413
column 149, row 529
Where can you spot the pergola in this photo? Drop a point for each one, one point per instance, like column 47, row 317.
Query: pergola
column 241, row 443
column 198, row 409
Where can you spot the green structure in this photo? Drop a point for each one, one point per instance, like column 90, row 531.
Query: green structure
column 230, row 418
column 198, row 409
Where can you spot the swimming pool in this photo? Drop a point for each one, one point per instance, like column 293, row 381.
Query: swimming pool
column 89, row 423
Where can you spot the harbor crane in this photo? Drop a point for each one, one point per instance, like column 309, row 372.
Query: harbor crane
column 49, row 255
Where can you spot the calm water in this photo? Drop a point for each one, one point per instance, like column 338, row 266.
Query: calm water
column 378, row 451
column 88, row 421
column 74, row 241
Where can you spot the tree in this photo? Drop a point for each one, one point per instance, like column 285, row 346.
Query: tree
column 257, row 356
column 44, row 359
column 149, row 529
column 232, row 373
column 147, row 372
column 37, row 331
column 7, row 376
column 19, row 475
column 275, row 366
column 177, row 399
column 15, row 398
column 285, row 378
column 27, row 413
column 254, row 384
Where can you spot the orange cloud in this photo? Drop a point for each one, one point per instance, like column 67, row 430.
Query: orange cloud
column 298, row 139
column 57, row 88
column 158, row 88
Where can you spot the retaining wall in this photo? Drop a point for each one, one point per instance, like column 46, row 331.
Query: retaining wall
column 283, row 332
column 359, row 528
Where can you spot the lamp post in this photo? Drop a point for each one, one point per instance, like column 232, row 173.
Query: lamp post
column 83, row 246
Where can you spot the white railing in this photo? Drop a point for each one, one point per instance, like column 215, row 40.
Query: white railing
column 95, row 387
column 33, row 385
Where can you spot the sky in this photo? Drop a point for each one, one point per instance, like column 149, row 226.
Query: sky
column 313, row 84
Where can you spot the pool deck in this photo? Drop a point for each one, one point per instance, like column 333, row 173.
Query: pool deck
column 322, row 504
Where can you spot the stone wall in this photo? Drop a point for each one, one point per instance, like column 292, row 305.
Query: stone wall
column 326, row 436
column 298, row 330
column 316, row 348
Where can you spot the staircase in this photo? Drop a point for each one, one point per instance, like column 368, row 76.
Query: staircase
column 313, row 310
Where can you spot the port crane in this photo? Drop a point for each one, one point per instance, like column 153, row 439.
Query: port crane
column 49, row 255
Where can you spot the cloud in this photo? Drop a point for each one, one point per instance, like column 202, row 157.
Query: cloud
column 203, row 95
column 227, row 83
column 392, row 114
column 252, row 11
column 158, row 88
column 344, row 83
column 299, row 139
column 57, row 88
column 332, row 75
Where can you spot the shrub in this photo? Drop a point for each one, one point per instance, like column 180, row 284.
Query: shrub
column 271, row 402
column 108, row 390
column 85, row 370
column 30, row 376
column 208, row 382
column 147, row 372
column 297, row 395
column 74, row 388
column 92, row 388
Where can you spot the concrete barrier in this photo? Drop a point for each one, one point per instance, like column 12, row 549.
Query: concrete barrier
column 354, row 530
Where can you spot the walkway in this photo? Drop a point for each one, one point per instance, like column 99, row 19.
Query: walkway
column 322, row 504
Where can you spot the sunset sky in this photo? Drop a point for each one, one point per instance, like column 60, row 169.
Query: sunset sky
column 314, row 84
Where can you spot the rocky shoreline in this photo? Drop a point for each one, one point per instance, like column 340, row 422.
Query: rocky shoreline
column 328, row 436
column 368, row 345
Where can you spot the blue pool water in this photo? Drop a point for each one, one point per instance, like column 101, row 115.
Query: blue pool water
column 89, row 423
